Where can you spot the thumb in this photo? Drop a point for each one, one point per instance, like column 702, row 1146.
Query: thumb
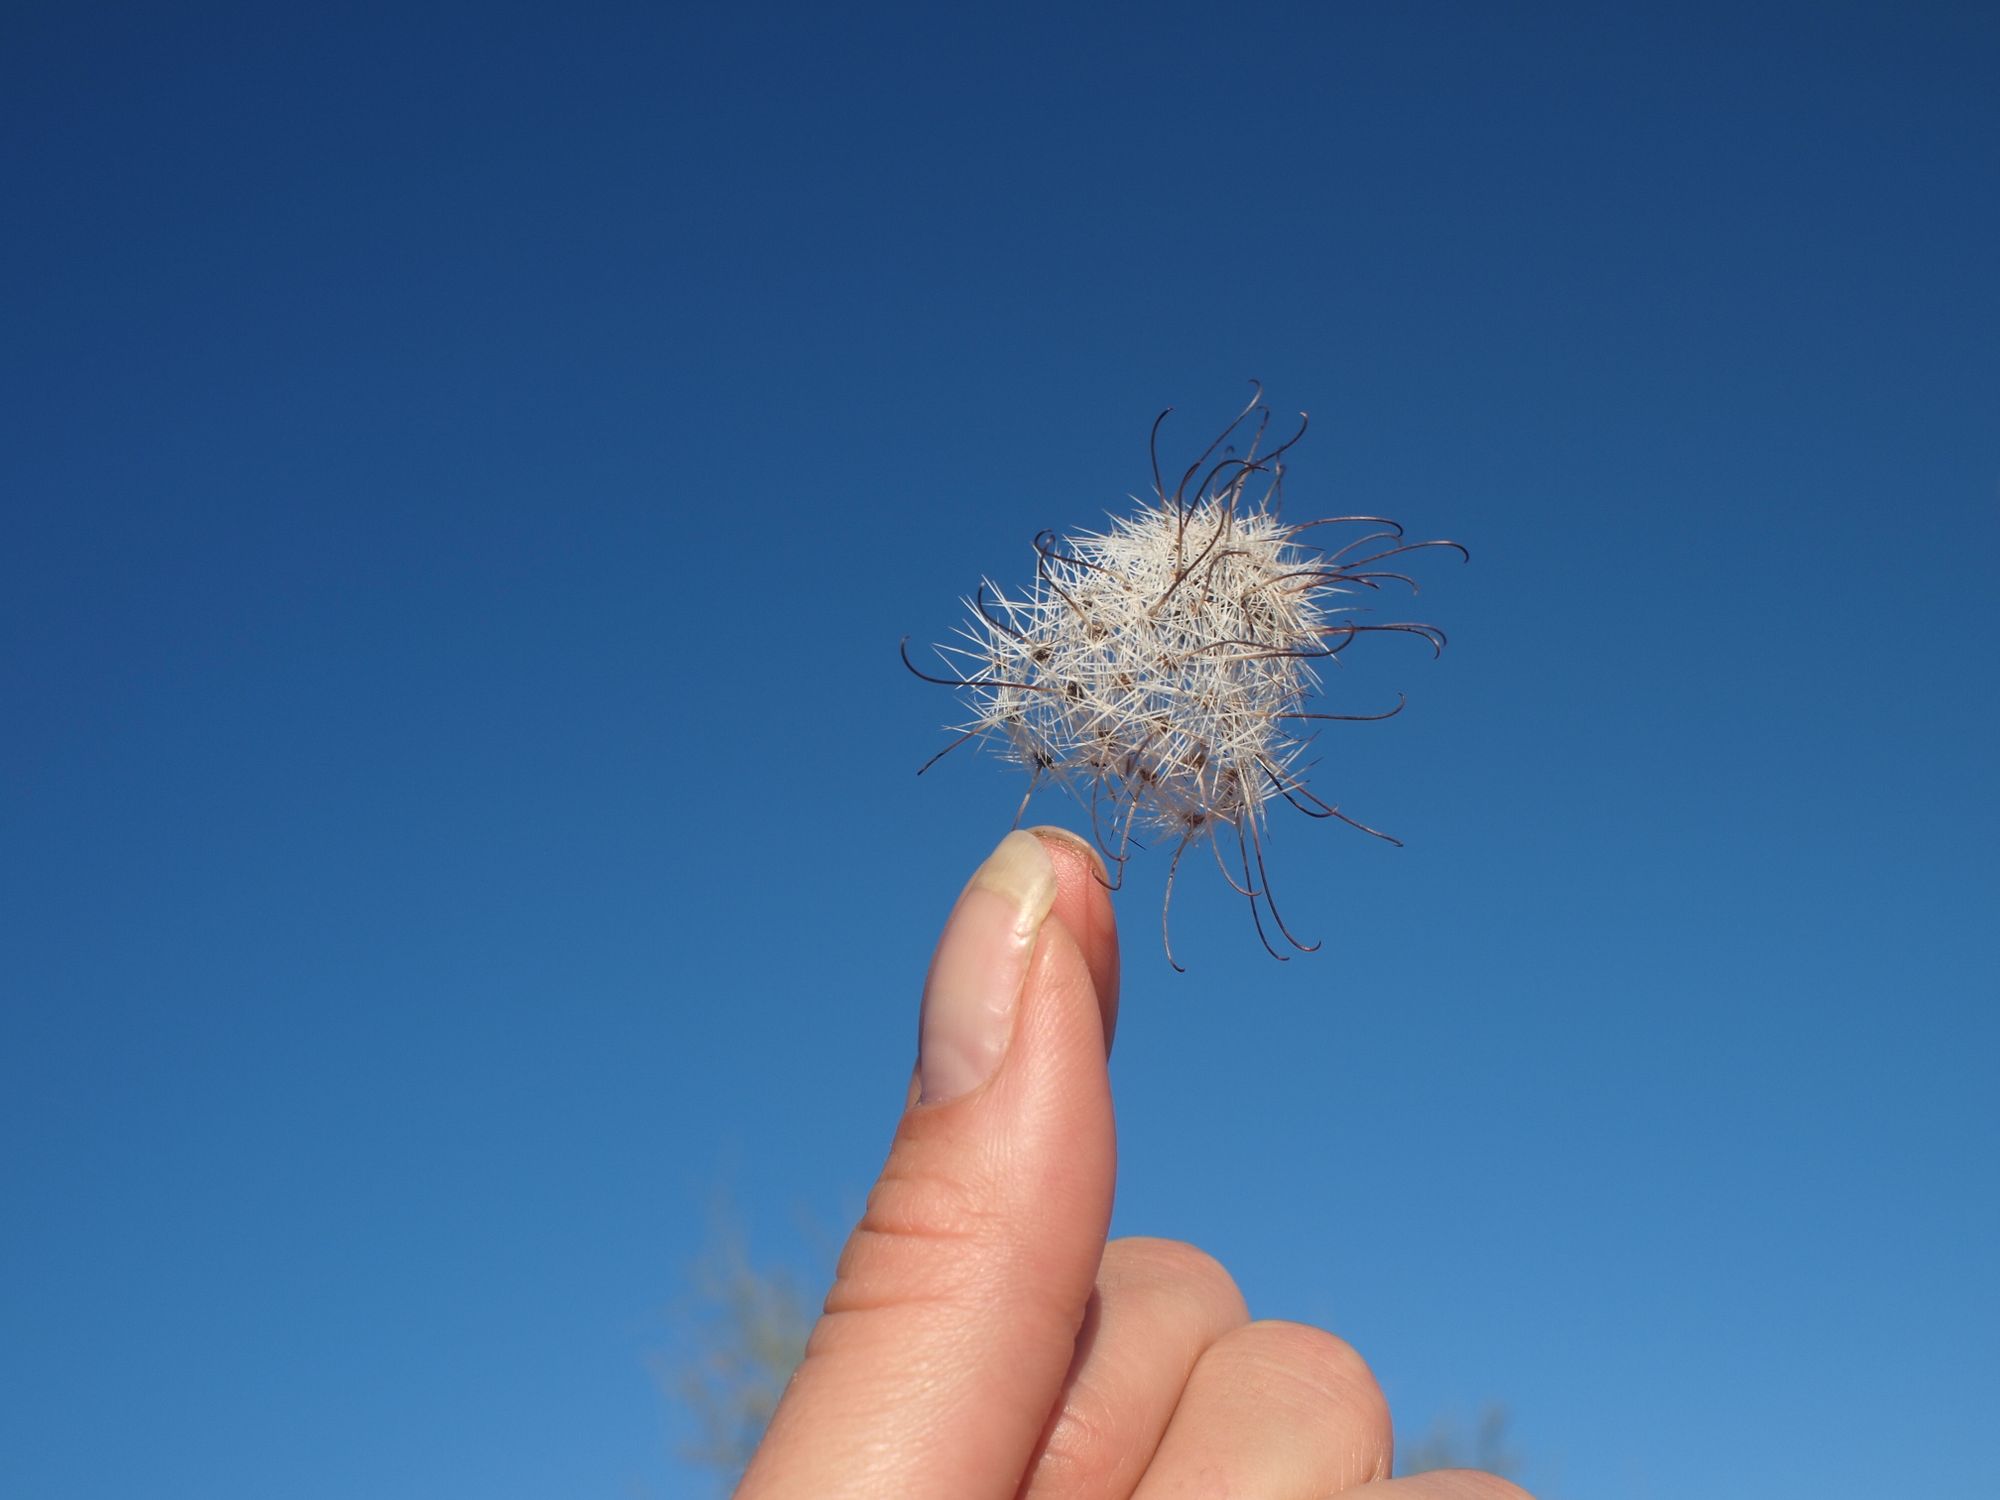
column 954, row 1314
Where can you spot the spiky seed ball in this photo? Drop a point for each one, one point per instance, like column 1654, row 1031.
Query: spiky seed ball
column 1160, row 669
column 1156, row 662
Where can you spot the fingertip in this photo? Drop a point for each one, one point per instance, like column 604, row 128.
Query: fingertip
column 1065, row 846
column 1083, row 906
column 961, row 1289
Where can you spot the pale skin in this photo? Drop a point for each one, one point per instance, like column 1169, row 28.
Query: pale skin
column 983, row 1341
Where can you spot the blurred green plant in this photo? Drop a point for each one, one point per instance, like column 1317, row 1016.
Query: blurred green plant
column 1450, row 1444
column 743, row 1332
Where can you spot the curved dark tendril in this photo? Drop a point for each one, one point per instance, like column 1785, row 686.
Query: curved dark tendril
column 1396, row 526
column 1368, row 579
column 1332, row 578
column 1097, row 837
column 979, row 603
column 1045, row 543
column 969, row 734
column 1286, row 788
column 1250, row 890
column 1125, row 839
column 1387, row 838
column 1326, row 810
column 1266, row 652
column 1153, row 448
column 1271, row 501
column 1216, row 561
column 1248, row 467
column 1401, row 699
column 1457, row 547
column 971, row 682
column 1180, row 490
column 1257, row 843
column 1316, row 577
column 1263, row 425
column 1285, row 792
column 1256, row 919
column 1202, row 489
column 1166, row 905
column 1042, row 764
column 1222, row 519
column 1430, row 633
column 1304, row 422
column 1333, row 559
column 1042, row 572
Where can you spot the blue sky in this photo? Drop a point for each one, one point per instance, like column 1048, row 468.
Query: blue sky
column 466, row 472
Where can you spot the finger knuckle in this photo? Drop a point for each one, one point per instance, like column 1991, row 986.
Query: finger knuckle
column 909, row 1202
column 1169, row 1263
column 1083, row 1442
column 1313, row 1371
column 909, row 1236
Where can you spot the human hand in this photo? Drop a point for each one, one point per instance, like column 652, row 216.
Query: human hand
column 982, row 1341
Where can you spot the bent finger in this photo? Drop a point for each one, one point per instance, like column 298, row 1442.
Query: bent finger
column 1158, row 1307
column 1277, row 1410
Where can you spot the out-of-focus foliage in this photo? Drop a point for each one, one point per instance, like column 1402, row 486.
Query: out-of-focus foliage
column 1448, row 1444
column 745, row 1328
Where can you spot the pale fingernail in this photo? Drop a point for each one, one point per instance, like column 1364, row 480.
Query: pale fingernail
column 981, row 963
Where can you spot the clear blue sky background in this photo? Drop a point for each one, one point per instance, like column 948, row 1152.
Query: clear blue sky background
column 466, row 470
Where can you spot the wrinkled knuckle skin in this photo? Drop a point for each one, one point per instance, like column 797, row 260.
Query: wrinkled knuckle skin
column 1314, row 1371
column 910, row 1202
column 1082, row 1445
column 1323, row 1362
column 914, row 1235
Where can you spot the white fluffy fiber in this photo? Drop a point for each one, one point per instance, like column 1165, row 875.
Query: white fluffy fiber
column 1161, row 669
column 1150, row 666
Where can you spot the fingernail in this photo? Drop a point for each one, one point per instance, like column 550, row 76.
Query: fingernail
column 981, row 963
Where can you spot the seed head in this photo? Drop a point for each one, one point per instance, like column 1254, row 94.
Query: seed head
column 1161, row 669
